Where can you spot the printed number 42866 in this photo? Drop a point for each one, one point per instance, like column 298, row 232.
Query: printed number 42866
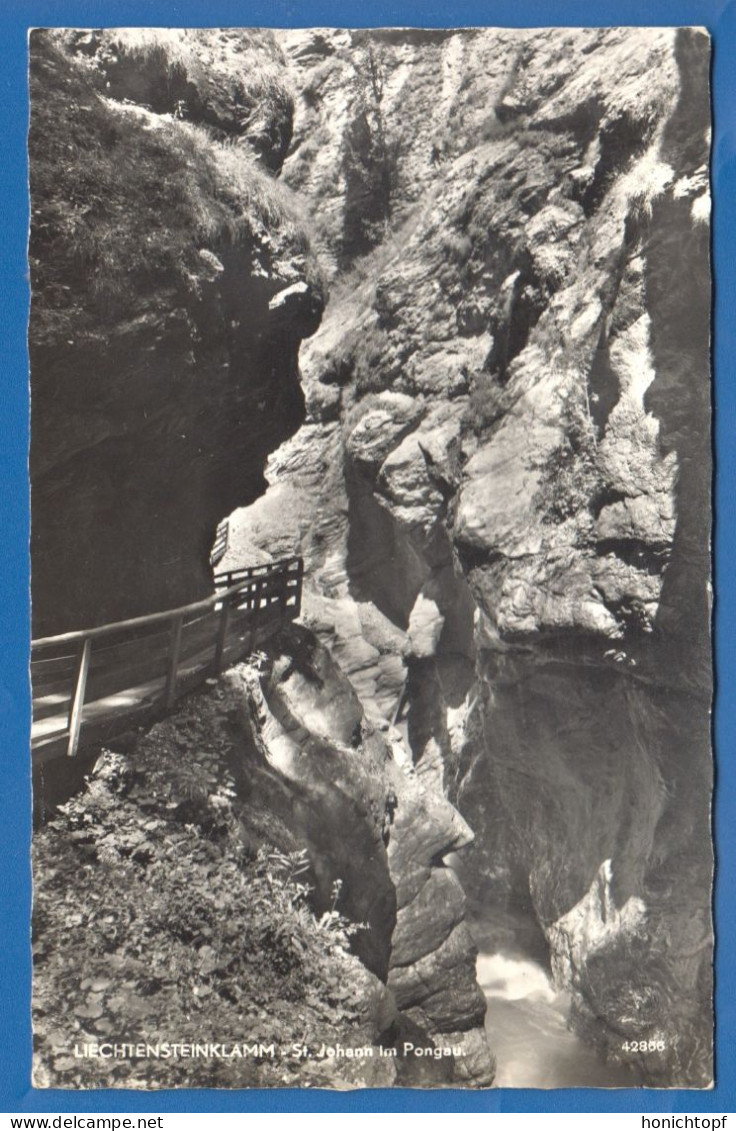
column 644, row 1046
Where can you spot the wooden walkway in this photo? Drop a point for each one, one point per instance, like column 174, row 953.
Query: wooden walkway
column 90, row 685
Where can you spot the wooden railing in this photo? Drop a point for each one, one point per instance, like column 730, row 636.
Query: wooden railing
column 88, row 686
column 219, row 546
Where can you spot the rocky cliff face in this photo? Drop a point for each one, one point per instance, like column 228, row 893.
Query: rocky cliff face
column 502, row 485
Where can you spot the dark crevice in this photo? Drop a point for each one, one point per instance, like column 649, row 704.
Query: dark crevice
column 644, row 557
column 602, row 384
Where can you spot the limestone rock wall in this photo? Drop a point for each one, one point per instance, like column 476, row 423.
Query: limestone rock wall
column 312, row 761
column 502, row 487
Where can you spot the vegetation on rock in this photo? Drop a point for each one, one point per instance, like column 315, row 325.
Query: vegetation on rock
column 371, row 159
column 161, row 915
column 155, row 253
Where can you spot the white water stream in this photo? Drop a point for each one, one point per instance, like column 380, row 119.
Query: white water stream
column 526, row 1023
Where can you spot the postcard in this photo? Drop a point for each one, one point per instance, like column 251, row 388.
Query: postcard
column 371, row 473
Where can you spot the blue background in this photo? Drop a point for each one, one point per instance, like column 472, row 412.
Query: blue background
column 15, row 812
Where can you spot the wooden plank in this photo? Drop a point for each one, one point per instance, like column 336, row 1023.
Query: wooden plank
column 123, row 657
column 282, row 583
column 196, row 632
column 240, row 619
column 48, row 749
column 240, row 643
column 192, row 624
column 244, row 599
column 55, row 666
column 256, row 605
column 75, row 713
column 299, row 585
column 115, row 667
column 258, row 596
column 219, row 546
column 171, row 675
column 257, row 570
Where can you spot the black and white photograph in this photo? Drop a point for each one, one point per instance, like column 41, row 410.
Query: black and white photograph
column 370, row 472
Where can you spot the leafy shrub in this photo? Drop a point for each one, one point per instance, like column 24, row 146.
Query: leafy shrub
column 487, row 403
column 371, row 374
column 570, row 480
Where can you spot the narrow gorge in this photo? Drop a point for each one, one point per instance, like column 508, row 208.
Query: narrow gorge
column 428, row 309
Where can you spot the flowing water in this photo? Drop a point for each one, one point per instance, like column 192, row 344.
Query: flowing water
column 526, row 1020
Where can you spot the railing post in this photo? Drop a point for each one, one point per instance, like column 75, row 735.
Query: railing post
column 77, row 702
column 173, row 671
column 284, row 595
column 222, row 633
column 255, row 614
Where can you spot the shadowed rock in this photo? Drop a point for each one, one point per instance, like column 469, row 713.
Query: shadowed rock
column 168, row 308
